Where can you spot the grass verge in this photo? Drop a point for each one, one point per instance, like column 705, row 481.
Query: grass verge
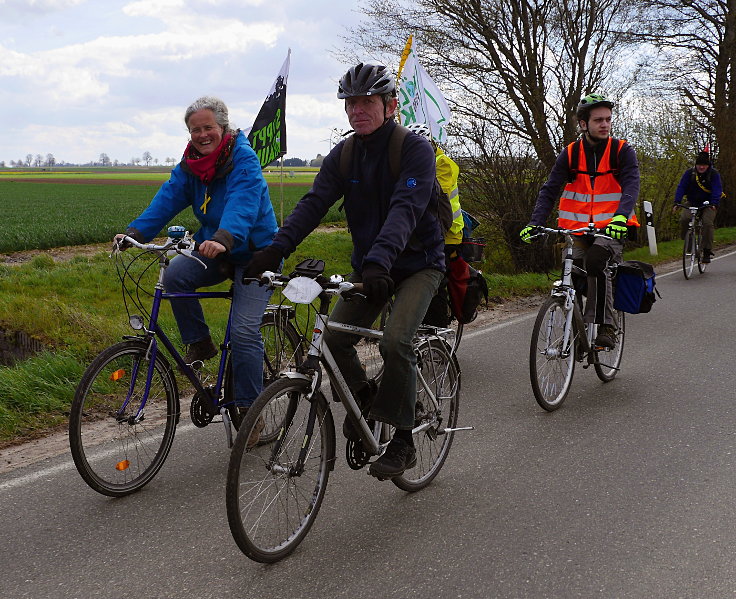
column 75, row 309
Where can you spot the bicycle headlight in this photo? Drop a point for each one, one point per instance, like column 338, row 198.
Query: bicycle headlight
column 136, row 322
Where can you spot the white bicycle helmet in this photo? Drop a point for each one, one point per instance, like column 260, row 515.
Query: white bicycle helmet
column 421, row 129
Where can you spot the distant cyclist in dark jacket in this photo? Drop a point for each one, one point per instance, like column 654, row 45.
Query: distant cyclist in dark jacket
column 398, row 249
column 700, row 184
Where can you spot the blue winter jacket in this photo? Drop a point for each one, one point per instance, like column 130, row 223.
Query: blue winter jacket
column 694, row 193
column 239, row 214
column 389, row 219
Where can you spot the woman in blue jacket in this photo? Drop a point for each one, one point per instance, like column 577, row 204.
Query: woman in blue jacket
column 220, row 177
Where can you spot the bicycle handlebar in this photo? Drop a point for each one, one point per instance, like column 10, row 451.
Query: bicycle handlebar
column 590, row 230
column 335, row 285
column 693, row 209
column 184, row 246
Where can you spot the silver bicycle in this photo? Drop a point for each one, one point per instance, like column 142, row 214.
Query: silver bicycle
column 560, row 338
column 276, row 482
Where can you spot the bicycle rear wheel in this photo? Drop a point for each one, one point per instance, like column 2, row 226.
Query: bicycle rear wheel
column 551, row 362
column 117, row 450
column 282, row 351
column 607, row 362
column 272, row 498
column 440, row 369
column 688, row 254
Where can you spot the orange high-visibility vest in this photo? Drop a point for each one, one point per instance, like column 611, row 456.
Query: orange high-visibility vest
column 581, row 202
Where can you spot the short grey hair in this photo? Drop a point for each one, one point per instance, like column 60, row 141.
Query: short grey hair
column 216, row 105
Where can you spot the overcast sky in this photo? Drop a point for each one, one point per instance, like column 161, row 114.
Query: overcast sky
column 83, row 77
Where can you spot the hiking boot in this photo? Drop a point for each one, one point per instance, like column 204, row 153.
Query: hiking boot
column 199, row 351
column 706, row 256
column 398, row 457
column 606, row 336
column 364, row 397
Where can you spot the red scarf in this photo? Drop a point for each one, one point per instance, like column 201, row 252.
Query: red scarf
column 205, row 167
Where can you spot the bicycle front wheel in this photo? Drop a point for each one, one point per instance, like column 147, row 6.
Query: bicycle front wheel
column 699, row 250
column 607, row 362
column 688, row 254
column 118, row 444
column 440, row 370
column 551, row 360
column 275, row 489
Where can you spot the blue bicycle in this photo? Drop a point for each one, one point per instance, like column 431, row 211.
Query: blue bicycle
column 127, row 405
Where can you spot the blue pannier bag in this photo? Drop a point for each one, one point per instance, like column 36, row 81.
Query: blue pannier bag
column 635, row 287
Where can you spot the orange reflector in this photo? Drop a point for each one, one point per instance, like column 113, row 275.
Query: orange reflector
column 124, row 465
column 117, row 375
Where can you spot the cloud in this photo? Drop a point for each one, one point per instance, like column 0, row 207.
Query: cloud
column 116, row 76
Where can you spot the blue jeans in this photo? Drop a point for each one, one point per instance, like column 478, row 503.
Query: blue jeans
column 397, row 392
column 249, row 303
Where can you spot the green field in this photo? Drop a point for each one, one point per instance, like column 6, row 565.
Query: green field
column 41, row 215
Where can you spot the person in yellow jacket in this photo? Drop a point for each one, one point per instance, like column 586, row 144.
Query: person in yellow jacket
column 599, row 179
column 447, row 174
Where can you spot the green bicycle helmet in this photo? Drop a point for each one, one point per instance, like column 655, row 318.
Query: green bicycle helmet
column 592, row 101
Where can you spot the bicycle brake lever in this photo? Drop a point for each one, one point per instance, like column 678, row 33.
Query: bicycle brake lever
column 188, row 254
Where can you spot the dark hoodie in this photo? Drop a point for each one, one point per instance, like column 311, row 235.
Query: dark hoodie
column 388, row 219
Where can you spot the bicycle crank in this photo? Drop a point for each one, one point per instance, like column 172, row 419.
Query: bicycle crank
column 200, row 409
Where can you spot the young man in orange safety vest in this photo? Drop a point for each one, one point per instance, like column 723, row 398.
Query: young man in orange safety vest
column 600, row 175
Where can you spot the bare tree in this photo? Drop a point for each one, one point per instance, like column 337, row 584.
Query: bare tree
column 50, row 160
column 521, row 66
column 698, row 43
column 104, row 160
column 147, row 158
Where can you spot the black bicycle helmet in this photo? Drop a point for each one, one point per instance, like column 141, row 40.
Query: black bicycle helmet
column 593, row 101
column 366, row 80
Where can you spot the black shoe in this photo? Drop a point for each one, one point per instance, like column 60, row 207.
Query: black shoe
column 200, row 351
column 706, row 256
column 364, row 397
column 606, row 336
column 398, row 457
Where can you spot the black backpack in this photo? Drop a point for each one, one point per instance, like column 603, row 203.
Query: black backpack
column 440, row 204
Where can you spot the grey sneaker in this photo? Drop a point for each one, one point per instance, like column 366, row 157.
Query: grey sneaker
column 398, row 457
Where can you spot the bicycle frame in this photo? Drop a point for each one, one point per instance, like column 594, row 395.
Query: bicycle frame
column 154, row 332
column 319, row 353
column 566, row 289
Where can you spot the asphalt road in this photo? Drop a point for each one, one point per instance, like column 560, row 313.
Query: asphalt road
column 626, row 491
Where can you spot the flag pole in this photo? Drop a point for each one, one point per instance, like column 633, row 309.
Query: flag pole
column 281, row 190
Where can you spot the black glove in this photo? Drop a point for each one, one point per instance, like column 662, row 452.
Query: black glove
column 378, row 285
column 269, row 258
